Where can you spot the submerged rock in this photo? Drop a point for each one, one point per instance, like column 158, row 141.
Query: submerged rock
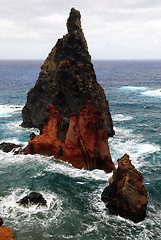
column 33, row 198
column 8, row 147
column 71, row 129
column 126, row 195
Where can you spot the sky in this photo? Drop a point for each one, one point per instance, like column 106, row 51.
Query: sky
column 114, row 29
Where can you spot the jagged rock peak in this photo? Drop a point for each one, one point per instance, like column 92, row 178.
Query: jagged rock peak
column 73, row 22
column 74, row 26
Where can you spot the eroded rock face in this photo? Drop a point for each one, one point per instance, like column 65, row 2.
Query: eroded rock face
column 85, row 144
column 69, row 106
column 33, row 198
column 126, row 195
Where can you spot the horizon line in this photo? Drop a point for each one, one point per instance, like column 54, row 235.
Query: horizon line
column 117, row 59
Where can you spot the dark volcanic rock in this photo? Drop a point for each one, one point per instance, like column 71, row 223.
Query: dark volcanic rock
column 1, row 221
column 67, row 80
column 8, row 147
column 69, row 106
column 126, row 196
column 33, row 198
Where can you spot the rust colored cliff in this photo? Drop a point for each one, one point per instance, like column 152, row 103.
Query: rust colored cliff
column 69, row 106
column 85, row 145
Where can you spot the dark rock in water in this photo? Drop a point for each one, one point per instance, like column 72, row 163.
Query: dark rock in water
column 126, row 195
column 66, row 84
column 8, row 147
column 33, row 198
column 1, row 221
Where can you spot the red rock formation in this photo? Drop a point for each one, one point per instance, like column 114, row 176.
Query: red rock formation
column 85, row 144
column 6, row 234
column 126, row 195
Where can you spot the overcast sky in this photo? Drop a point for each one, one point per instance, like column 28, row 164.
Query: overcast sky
column 114, row 29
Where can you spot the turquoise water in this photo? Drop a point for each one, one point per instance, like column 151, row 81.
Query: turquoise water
column 75, row 210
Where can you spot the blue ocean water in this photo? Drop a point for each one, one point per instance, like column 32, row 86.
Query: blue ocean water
column 75, row 210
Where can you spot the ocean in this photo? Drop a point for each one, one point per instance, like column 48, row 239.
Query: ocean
column 74, row 207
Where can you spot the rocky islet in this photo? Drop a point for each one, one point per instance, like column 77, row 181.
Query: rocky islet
column 69, row 106
column 126, row 195
column 34, row 198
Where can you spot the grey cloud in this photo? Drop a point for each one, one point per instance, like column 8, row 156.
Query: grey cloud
column 105, row 22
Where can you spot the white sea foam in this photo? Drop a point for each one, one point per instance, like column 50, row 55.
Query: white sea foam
column 152, row 93
column 121, row 117
column 12, row 140
column 50, row 164
column 125, row 141
column 133, row 88
column 144, row 91
column 15, row 127
column 9, row 110
column 67, row 169
column 13, row 212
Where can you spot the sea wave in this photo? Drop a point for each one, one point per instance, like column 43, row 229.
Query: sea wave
column 126, row 141
column 144, row 91
column 50, row 164
column 12, row 140
column 133, row 88
column 16, row 214
column 16, row 126
column 152, row 93
column 14, row 133
column 9, row 110
column 121, row 117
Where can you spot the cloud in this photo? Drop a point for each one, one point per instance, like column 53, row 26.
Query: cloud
column 113, row 28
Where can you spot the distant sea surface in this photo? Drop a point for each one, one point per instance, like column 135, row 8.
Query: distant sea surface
column 75, row 210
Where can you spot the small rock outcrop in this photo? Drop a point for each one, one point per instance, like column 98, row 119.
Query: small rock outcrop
column 71, row 129
column 5, row 233
column 126, row 195
column 8, row 147
column 33, row 198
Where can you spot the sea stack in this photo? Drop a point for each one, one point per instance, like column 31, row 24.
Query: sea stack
column 126, row 195
column 69, row 106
